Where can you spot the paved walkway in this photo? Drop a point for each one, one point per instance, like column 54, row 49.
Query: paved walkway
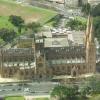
column 32, row 97
column 8, row 80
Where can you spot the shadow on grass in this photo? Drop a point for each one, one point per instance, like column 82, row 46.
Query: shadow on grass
column 55, row 20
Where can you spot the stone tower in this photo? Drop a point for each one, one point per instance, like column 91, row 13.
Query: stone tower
column 90, row 47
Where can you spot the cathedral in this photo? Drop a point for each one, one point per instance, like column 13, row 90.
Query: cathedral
column 70, row 59
column 52, row 56
column 75, row 3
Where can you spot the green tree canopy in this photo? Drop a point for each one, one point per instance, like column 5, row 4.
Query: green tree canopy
column 85, row 90
column 7, row 35
column 95, row 85
column 96, row 10
column 65, row 93
column 17, row 21
column 76, row 24
column 34, row 26
column 1, row 41
column 86, row 8
column 97, row 27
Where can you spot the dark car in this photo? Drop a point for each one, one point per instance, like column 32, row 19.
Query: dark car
column 1, row 98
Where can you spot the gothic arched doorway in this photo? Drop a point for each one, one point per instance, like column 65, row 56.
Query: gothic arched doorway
column 74, row 71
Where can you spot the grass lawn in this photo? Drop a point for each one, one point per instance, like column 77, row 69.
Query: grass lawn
column 14, row 98
column 41, row 99
column 95, row 97
column 8, row 7
column 4, row 23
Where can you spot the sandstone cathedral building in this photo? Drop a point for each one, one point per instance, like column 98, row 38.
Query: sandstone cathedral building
column 71, row 54
column 75, row 3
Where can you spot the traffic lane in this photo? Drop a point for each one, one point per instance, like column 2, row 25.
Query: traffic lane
column 9, row 87
column 11, row 93
column 35, row 87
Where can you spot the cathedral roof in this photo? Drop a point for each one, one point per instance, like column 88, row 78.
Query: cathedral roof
column 18, row 54
column 56, row 42
column 70, row 52
column 78, row 37
column 72, row 38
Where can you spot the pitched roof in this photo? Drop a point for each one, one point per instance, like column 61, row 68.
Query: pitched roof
column 56, row 42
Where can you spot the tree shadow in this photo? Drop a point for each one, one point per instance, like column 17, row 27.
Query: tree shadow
column 54, row 20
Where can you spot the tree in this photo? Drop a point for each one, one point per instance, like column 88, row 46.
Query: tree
column 97, row 27
column 71, row 92
column 86, row 9
column 64, row 92
column 95, row 85
column 1, row 41
column 76, row 24
column 7, row 35
column 35, row 27
column 58, row 91
column 85, row 90
column 96, row 10
column 17, row 21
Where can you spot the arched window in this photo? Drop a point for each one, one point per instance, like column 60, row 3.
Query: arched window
column 74, row 73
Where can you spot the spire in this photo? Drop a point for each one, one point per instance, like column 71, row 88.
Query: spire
column 91, row 35
column 88, row 26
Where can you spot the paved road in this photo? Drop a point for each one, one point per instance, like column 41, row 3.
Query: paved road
column 28, row 89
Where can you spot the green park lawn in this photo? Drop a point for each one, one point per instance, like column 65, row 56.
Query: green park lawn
column 22, row 98
column 95, row 97
column 14, row 98
column 4, row 23
column 41, row 99
column 29, row 14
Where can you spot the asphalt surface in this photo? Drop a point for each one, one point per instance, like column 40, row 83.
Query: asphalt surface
column 27, row 89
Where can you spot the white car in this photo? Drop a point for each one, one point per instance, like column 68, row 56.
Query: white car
column 26, row 90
